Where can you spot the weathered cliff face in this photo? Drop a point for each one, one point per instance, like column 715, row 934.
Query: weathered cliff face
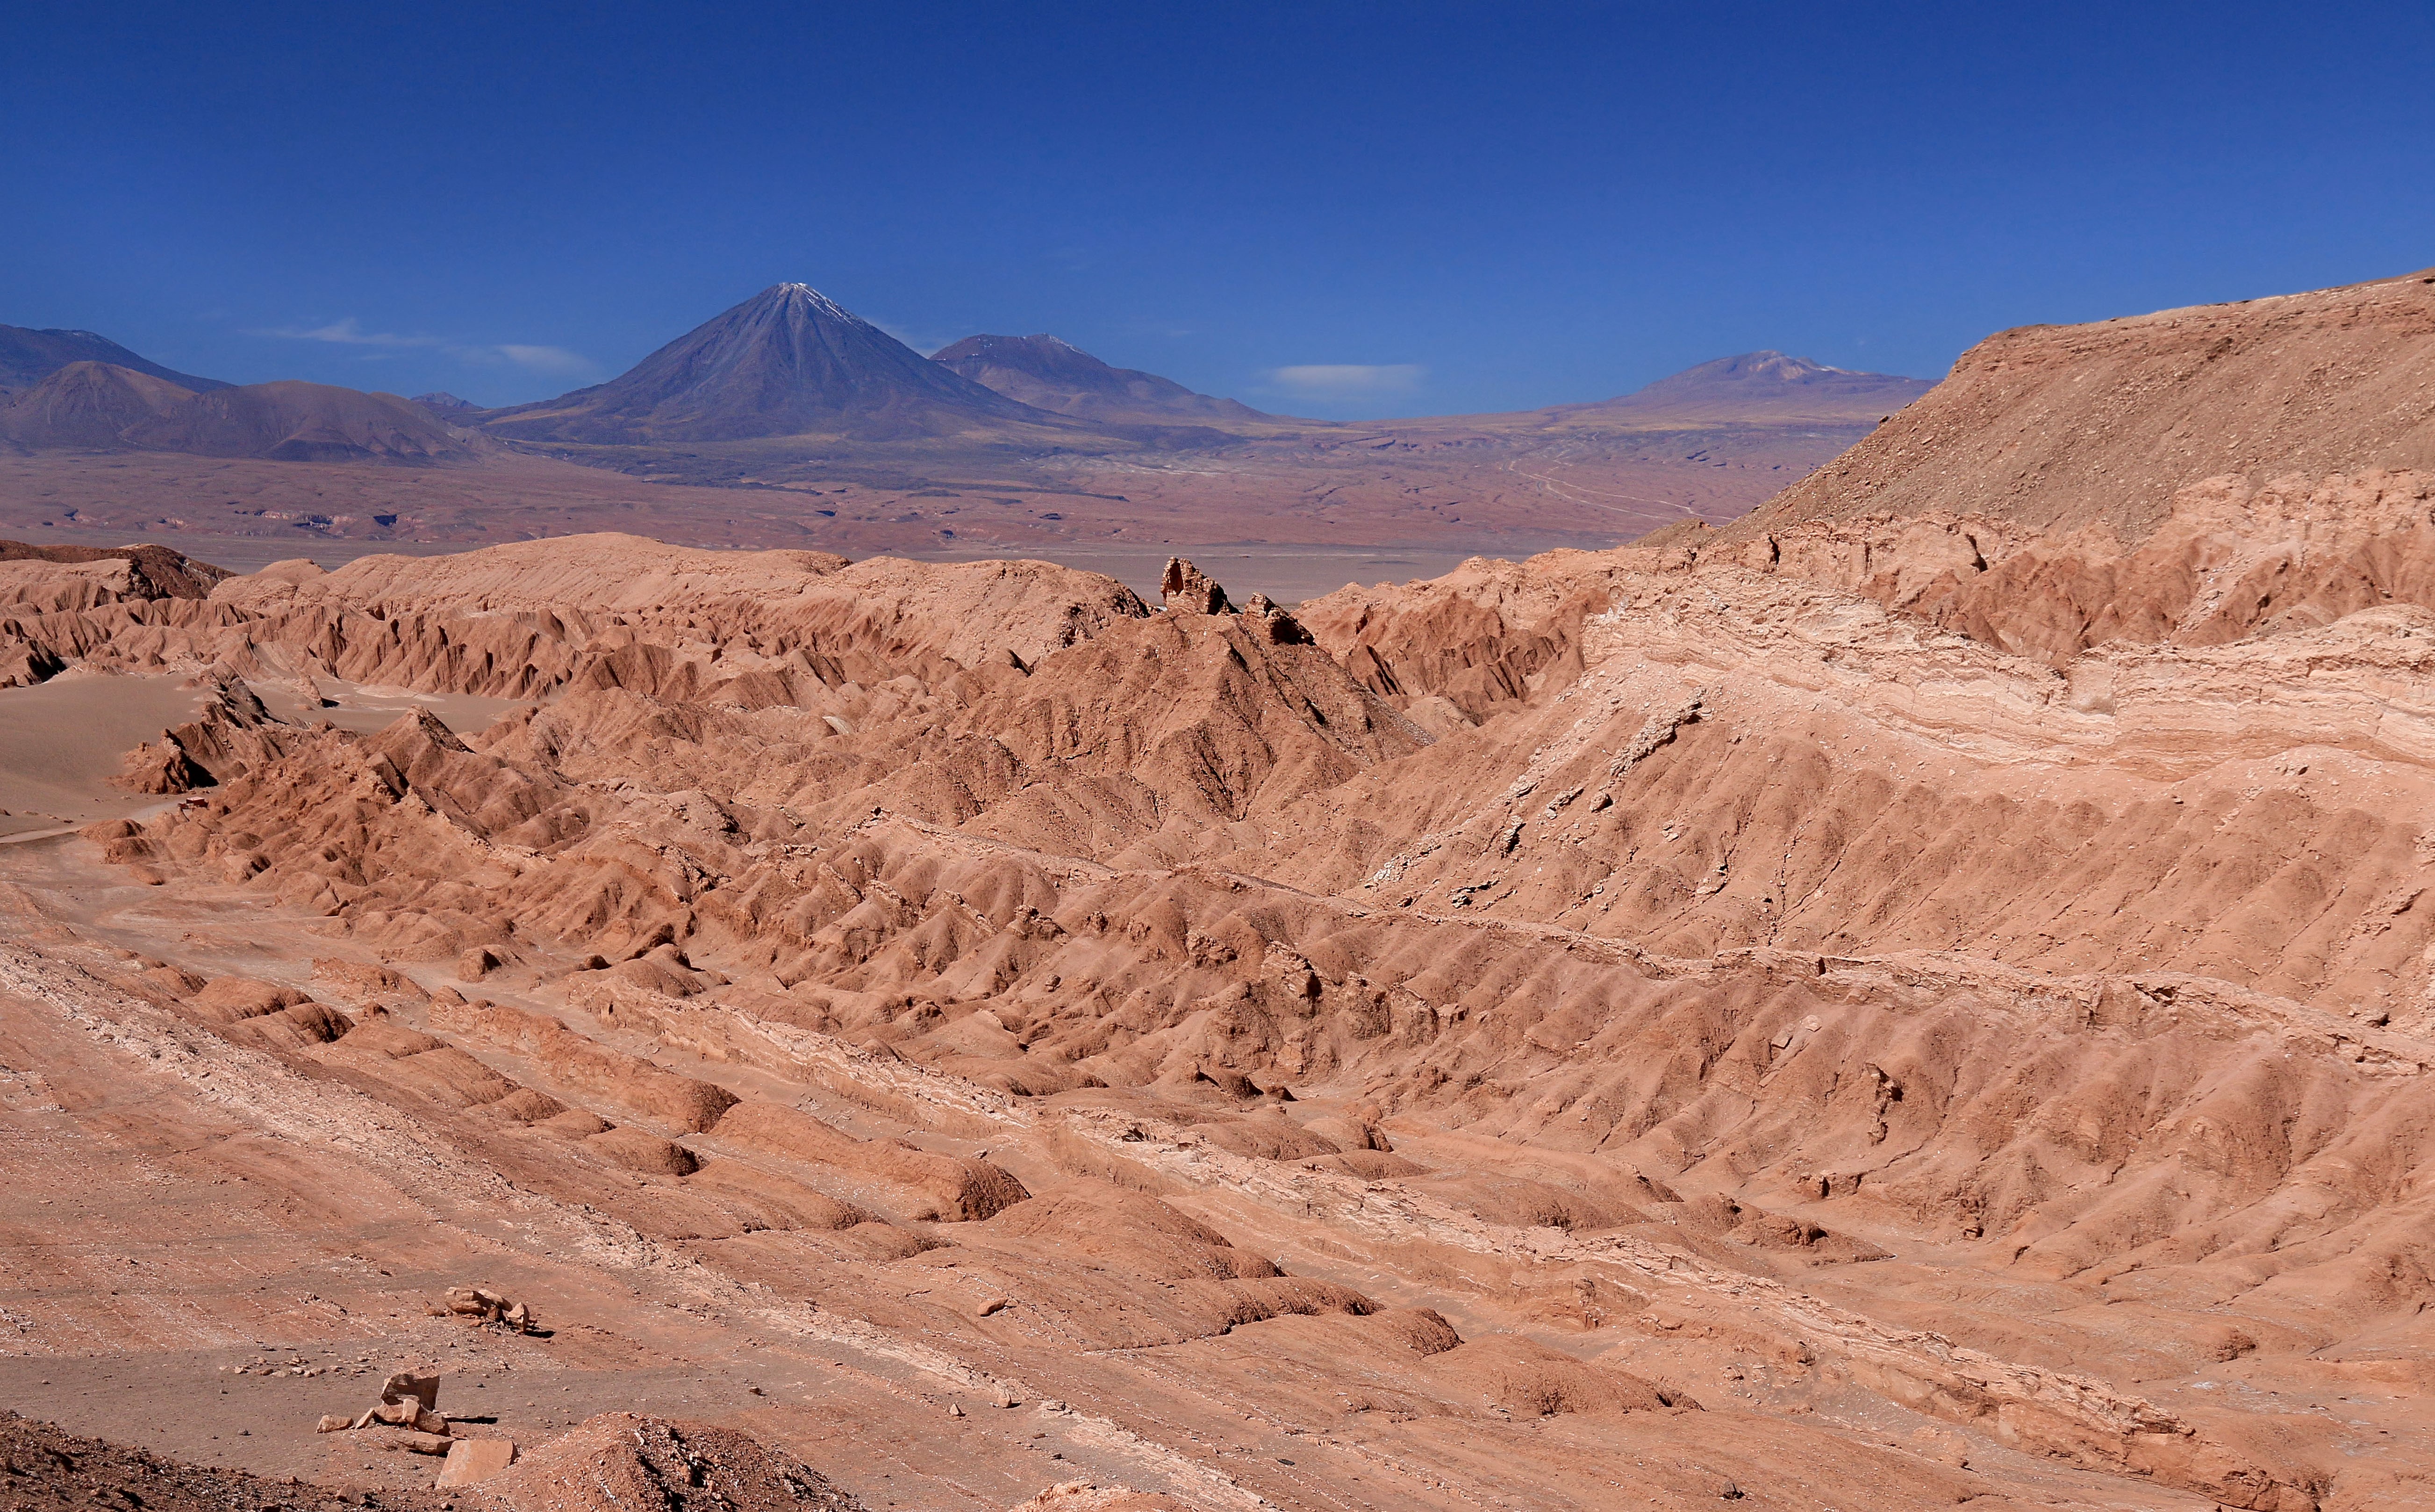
column 1947, row 990
column 2230, row 560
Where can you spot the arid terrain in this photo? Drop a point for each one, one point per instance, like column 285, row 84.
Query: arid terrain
column 1918, row 996
column 787, row 422
column 1296, row 522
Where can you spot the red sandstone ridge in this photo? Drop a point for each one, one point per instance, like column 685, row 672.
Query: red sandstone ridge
column 1881, row 1007
column 150, row 572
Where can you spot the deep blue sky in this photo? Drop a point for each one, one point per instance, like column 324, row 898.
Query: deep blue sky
column 1501, row 206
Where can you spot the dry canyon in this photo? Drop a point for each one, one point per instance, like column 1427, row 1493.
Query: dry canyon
column 1920, row 995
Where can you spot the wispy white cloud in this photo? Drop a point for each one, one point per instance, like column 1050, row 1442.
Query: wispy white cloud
column 1349, row 380
column 349, row 332
column 555, row 361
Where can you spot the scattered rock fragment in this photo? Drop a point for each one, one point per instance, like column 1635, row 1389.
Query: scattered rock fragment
column 420, row 1443
column 490, row 1307
column 473, row 1460
column 410, row 1402
column 407, row 1401
column 404, row 1386
column 1089, row 1496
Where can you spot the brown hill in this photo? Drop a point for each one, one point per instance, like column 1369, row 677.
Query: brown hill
column 292, row 422
column 87, row 406
column 788, row 362
column 1047, row 373
column 28, row 357
column 2195, row 477
column 2054, row 427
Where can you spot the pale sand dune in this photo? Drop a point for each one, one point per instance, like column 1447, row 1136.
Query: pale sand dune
column 353, row 707
column 60, row 743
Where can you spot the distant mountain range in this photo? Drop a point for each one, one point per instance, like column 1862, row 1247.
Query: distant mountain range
column 786, row 362
column 88, row 405
column 789, row 377
column 1048, row 374
column 102, row 407
column 1764, row 388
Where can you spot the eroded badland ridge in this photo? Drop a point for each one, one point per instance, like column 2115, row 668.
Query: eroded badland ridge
column 1922, row 997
